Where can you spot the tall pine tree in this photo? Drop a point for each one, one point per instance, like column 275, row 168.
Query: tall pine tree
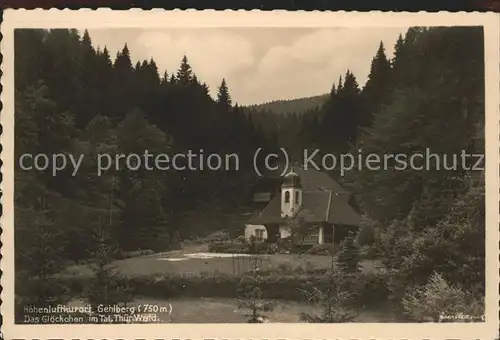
column 223, row 97
column 185, row 73
column 378, row 86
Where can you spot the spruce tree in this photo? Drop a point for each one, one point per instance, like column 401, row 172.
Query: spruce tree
column 252, row 295
column 398, row 51
column 87, row 43
column 145, row 215
column 205, row 89
column 378, row 87
column 223, row 97
column 346, row 114
column 123, row 89
column 164, row 78
column 106, row 57
column 107, row 287
column 185, row 72
column 172, row 79
column 176, row 240
column 340, row 86
column 348, row 256
column 39, row 247
column 332, row 298
column 123, row 62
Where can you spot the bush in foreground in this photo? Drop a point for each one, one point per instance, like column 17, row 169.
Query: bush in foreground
column 348, row 257
column 332, row 299
column 251, row 291
column 438, row 301
column 228, row 248
column 321, row 249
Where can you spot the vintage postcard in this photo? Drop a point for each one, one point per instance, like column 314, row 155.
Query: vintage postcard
column 250, row 175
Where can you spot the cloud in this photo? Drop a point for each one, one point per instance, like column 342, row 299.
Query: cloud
column 311, row 64
column 213, row 55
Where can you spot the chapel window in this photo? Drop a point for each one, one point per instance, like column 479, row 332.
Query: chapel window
column 287, row 196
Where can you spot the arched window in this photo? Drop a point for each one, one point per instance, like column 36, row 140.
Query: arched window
column 287, row 196
column 296, row 197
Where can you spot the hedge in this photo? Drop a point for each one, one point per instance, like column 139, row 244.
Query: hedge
column 370, row 289
column 322, row 249
column 236, row 248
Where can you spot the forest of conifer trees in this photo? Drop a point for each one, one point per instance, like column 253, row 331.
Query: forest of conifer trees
column 72, row 97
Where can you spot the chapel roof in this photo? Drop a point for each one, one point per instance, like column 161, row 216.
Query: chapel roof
column 323, row 200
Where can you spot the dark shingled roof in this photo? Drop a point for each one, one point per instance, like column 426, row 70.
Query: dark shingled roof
column 323, row 200
column 312, row 180
column 317, row 207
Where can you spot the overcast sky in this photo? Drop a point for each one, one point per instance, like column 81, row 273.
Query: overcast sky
column 259, row 64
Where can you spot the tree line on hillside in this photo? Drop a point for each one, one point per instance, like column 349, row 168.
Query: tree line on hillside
column 291, row 106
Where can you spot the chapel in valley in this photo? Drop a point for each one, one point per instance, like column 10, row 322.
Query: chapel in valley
column 309, row 198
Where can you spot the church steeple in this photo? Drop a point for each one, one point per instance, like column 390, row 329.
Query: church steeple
column 291, row 194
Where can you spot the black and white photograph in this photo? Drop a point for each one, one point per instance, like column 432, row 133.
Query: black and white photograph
column 250, row 175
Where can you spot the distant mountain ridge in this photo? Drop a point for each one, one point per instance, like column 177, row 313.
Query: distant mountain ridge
column 298, row 106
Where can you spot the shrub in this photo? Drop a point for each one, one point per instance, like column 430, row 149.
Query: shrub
column 161, row 243
column 258, row 247
column 241, row 239
column 284, row 245
column 370, row 289
column 218, row 237
column 368, row 252
column 193, row 240
column 321, row 249
column 255, row 246
column 106, row 285
column 309, row 266
column 176, row 241
column 135, row 253
column 299, row 249
column 438, row 301
column 366, row 234
column 454, row 247
column 348, row 258
column 285, row 267
column 272, row 248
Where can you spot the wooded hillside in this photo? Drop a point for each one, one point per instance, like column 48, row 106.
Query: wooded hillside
column 291, row 106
